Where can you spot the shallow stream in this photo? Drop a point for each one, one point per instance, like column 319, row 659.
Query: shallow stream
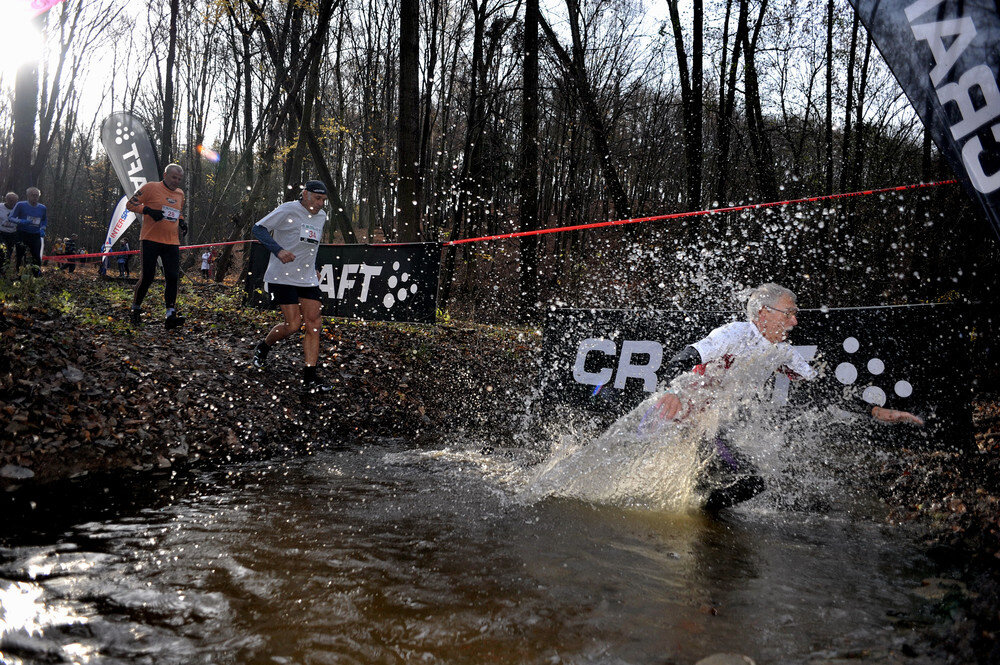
column 385, row 554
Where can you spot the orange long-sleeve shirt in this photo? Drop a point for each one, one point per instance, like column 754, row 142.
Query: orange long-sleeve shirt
column 157, row 196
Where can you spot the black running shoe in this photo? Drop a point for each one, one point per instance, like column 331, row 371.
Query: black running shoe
column 173, row 321
column 316, row 388
column 135, row 317
column 260, row 355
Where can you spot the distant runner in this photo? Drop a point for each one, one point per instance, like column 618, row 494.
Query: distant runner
column 8, row 231
column 31, row 217
column 748, row 352
column 161, row 205
column 292, row 276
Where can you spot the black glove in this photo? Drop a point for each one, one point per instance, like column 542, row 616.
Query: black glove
column 156, row 215
column 182, row 225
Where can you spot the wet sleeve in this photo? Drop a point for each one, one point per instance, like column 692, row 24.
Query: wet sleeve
column 797, row 367
column 681, row 362
column 262, row 235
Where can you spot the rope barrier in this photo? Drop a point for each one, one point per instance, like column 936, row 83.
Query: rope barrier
column 699, row 213
column 67, row 257
column 579, row 227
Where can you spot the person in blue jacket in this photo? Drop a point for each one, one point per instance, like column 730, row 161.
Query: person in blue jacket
column 31, row 218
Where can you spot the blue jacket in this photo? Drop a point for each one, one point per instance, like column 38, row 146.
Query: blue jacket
column 29, row 218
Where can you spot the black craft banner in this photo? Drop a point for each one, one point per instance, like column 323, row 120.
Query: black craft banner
column 130, row 151
column 910, row 358
column 944, row 54
column 369, row 282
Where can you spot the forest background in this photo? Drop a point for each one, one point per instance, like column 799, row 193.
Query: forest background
column 434, row 120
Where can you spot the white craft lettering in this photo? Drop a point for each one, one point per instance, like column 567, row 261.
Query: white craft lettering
column 945, row 56
column 580, row 374
column 981, row 78
column 369, row 272
column 972, row 157
column 975, row 95
column 645, row 371
column 626, row 369
column 345, row 279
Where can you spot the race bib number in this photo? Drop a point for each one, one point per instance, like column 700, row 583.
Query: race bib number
column 310, row 233
column 35, row 221
column 173, row 214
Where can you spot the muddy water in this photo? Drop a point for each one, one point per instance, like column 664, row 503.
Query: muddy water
column 383, row 555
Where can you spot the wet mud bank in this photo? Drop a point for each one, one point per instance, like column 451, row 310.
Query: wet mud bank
column 83, row 393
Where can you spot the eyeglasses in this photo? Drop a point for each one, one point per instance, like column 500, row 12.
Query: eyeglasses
column 786, row 312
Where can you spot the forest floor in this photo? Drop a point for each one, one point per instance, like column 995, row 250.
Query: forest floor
column 83, row 393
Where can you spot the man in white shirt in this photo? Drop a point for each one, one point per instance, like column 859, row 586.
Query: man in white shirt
column 292, row 233
column 8, row 231
column 742, row 355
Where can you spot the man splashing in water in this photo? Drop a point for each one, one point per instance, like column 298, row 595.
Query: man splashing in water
column 741, row 356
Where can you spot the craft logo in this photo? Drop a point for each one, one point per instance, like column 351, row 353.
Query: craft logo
column 357, row 278
column 641, row 360
column 649, row 355
column 402, row 292
column 123, row 135
column 974, row 92
column 847, row 374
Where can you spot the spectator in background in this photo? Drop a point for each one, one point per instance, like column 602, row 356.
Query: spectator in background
column 8, row 231
column 206, row 264
column 32, row 218
column 123, row 260
column 71, row 250
column 59, row 249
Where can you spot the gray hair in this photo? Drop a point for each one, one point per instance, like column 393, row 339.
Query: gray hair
column 765, row 295
column 33, row 189
column 173, row 167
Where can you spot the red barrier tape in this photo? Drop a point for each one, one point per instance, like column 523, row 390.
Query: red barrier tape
column 699, row 213
column 579, row 227
column 67, row 257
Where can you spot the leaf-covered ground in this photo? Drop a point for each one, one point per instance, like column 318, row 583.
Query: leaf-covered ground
column 81, row 391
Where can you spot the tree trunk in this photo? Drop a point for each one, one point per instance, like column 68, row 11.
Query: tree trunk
column 849, row 107
column 248, row 124
column 408, row 129
column 427, row 103
column 592, row 113
column 166, row 145
column 528, row 182
column 760, row 143
column 727, row 99
column 25, row 112
column 828, row 135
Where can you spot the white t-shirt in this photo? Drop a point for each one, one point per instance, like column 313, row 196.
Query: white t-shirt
column 299, row 231
column 6, row 226
column 740, row 349
column 205, row 259
column 740, row 343
column 736, row 361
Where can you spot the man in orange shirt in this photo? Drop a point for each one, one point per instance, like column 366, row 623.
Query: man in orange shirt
column 161, row 205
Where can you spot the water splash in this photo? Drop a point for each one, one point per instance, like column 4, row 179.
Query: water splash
column 646, row 462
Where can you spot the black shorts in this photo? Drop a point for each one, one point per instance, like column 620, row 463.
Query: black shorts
column 285, row 294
